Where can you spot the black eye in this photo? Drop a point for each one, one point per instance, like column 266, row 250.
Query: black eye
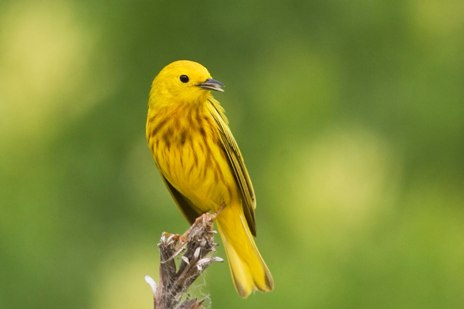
column 184, row 78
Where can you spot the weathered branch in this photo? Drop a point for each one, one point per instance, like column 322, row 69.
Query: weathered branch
column 192, row 251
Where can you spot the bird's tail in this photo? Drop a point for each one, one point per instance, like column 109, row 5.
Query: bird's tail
column 249, row 272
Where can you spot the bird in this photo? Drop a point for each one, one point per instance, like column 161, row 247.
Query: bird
column 201, row 164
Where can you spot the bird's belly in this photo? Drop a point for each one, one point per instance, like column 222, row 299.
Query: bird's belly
column 200, row 172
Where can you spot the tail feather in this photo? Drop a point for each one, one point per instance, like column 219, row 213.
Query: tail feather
column 248, row 269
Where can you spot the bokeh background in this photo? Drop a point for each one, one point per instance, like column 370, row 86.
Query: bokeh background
column 349, row 115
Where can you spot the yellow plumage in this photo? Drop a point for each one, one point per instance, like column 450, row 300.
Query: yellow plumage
column 201, row 164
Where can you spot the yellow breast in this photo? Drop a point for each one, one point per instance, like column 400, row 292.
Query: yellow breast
column 188, row 152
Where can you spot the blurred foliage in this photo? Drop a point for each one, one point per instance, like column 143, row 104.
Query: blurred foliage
column 349, row 114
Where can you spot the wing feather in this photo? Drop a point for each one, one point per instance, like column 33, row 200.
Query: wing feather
column 236, row 164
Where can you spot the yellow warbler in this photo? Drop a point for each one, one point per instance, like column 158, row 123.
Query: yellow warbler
column 201, row 164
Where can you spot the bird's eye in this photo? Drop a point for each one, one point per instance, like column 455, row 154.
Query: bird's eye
column 184, row 78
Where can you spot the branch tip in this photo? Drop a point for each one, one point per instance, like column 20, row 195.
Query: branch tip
column 195, row 248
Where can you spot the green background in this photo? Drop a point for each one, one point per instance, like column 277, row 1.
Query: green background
column 350, row 115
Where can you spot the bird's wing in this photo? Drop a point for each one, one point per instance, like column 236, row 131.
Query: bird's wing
column 236, row 164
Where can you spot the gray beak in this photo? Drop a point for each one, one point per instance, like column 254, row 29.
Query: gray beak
column 212, row 84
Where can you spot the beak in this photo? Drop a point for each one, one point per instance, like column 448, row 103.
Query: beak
column 212, row 84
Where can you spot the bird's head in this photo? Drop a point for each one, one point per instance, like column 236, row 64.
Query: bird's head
column 183, row 81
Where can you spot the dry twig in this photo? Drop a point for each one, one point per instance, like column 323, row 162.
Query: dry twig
column 194, row 248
